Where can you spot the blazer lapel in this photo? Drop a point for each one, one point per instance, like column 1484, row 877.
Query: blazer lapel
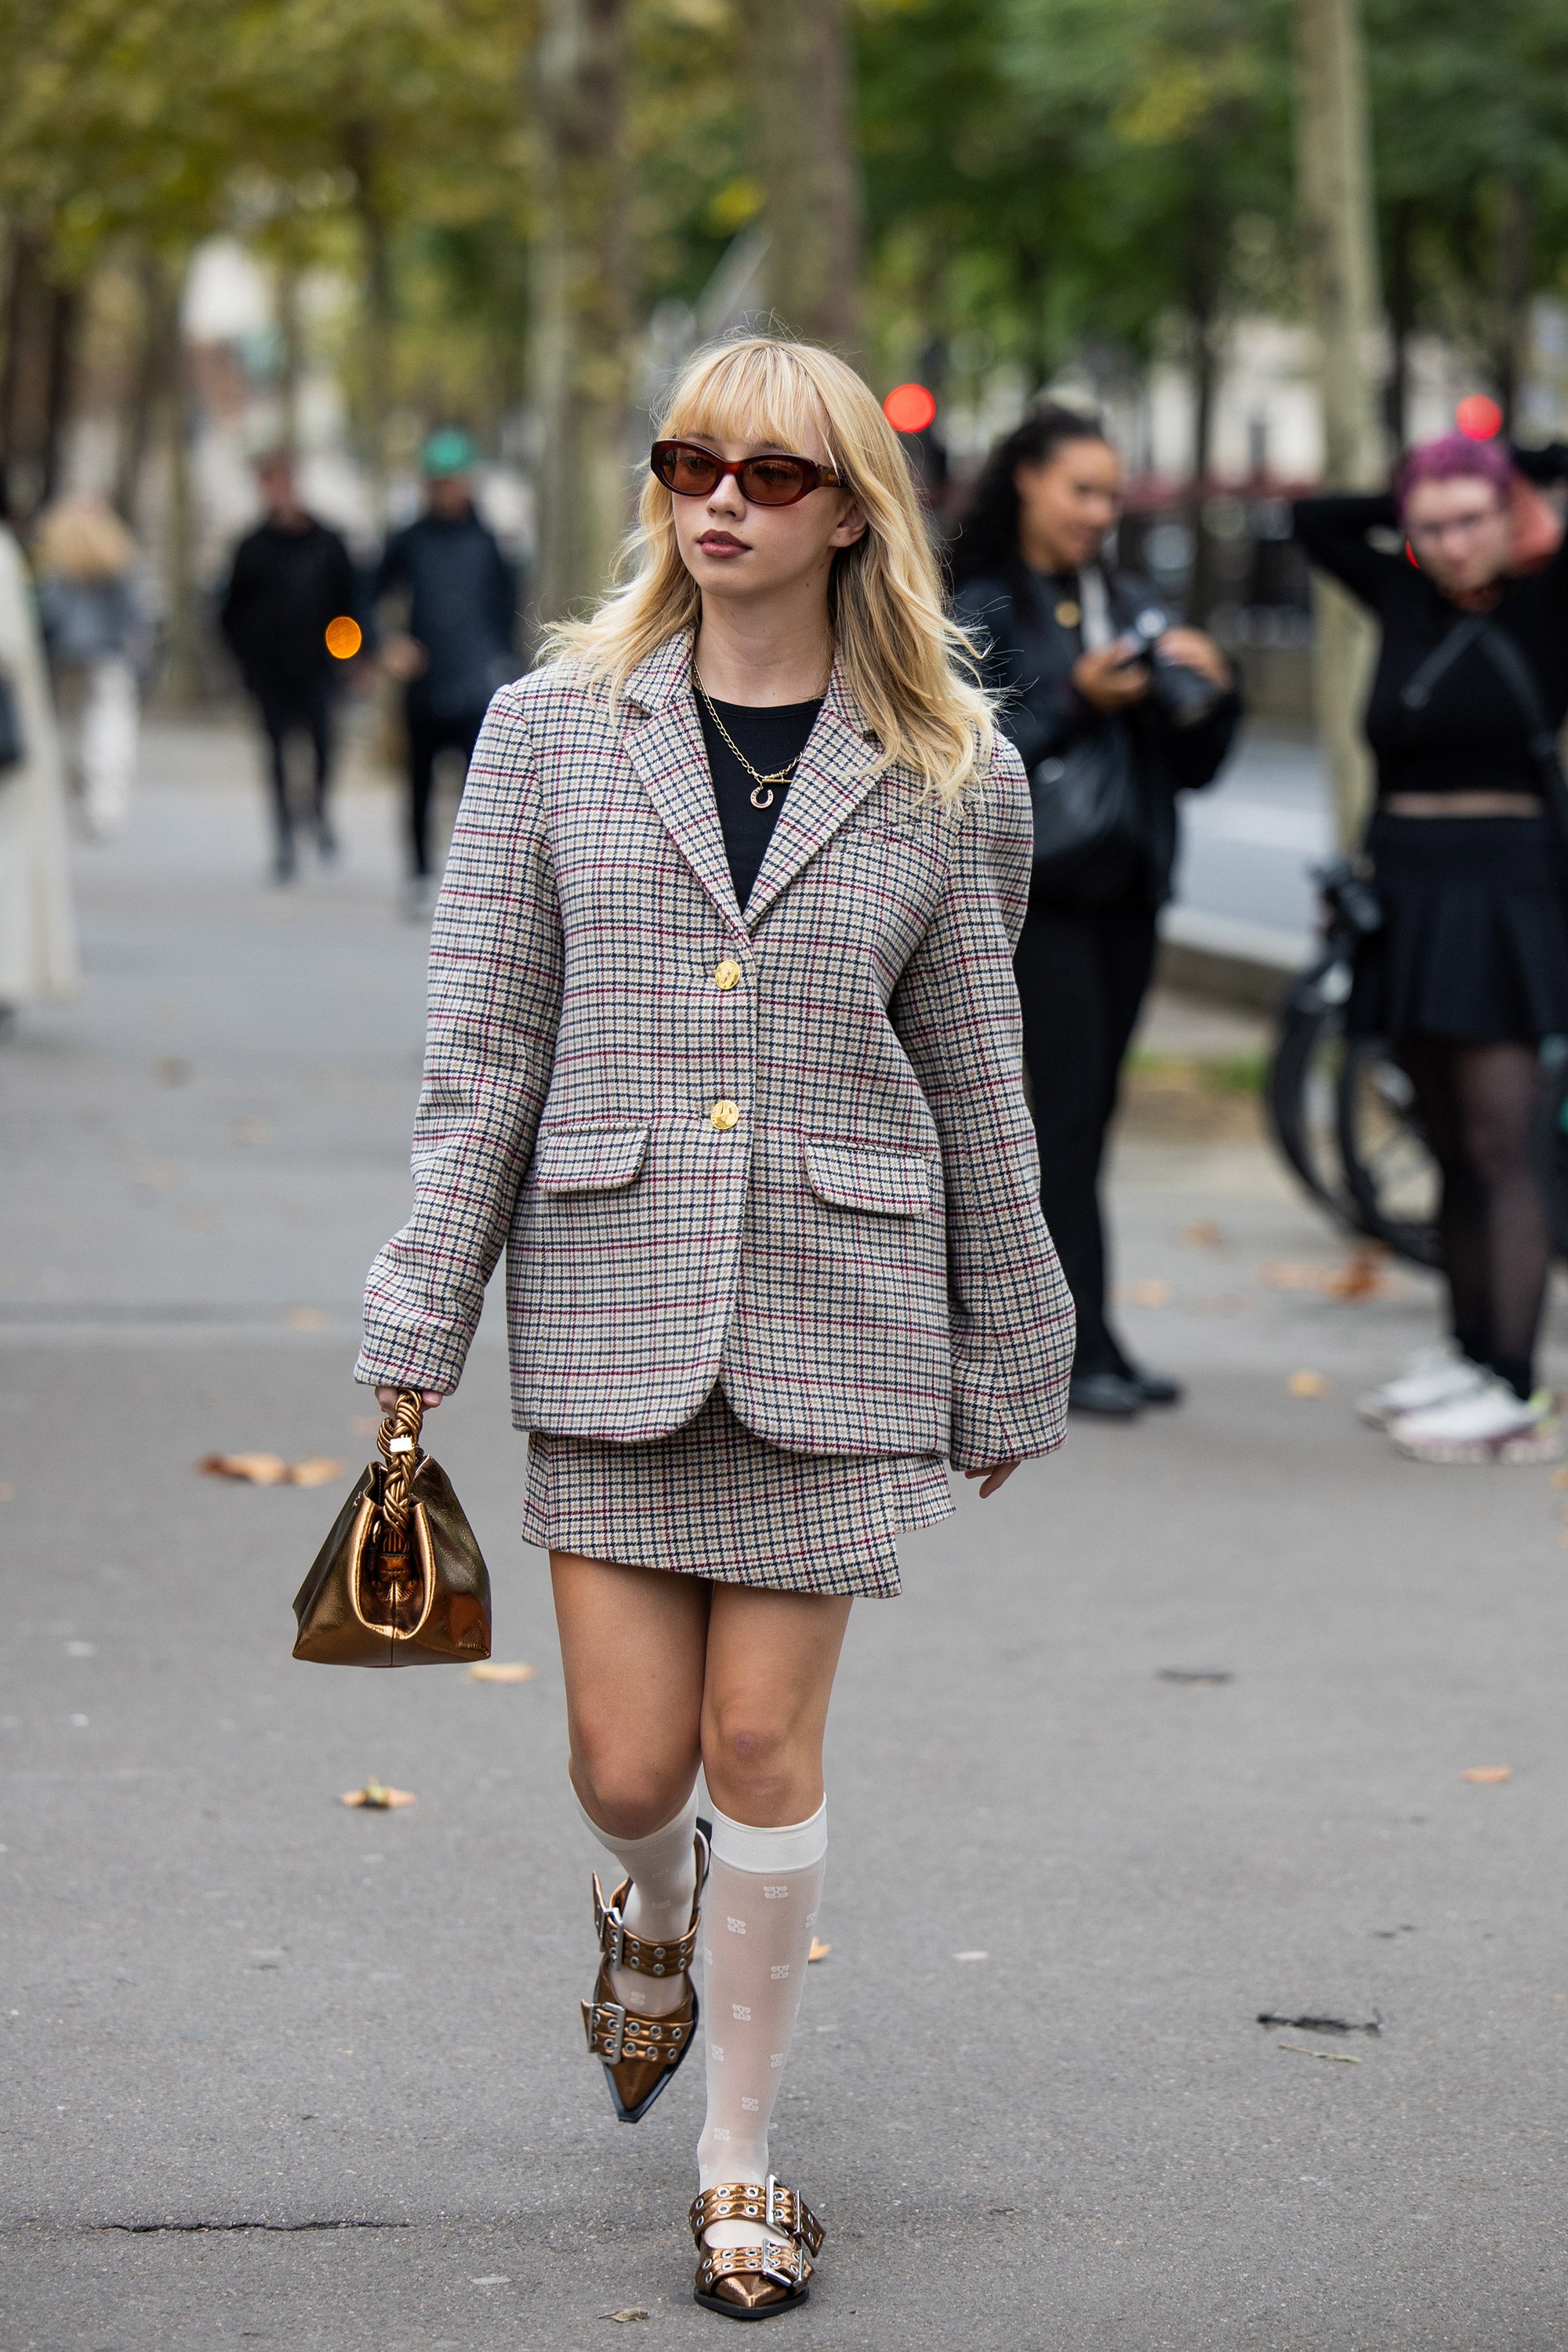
column 668, row 756
column 839, row 766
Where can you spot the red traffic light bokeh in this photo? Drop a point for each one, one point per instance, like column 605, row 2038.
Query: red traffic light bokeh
column 909, row 408
column 1479, row 417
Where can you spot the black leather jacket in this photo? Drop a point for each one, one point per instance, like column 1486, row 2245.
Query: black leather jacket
column 1028, row 660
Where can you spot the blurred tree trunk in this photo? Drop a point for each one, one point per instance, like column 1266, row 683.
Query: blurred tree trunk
column 801, row 69
column 20, row 272
column 1204, row 250
column 363, row 155
column 158, row 291
column 184, row 678
column 1515, row 244
column 291, row 355
column 1401, row 319
column 582, row 349
column 65, row 316
column 1334, row 203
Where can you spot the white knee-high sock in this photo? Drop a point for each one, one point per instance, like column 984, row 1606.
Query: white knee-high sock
column 662, row 1868
column 758, row 1913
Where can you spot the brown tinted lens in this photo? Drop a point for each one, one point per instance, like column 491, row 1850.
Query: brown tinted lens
column 776, row 481
column 689, row 472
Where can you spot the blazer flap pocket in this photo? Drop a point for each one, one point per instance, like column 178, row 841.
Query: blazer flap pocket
column 588, row 1159
column 889, row 1183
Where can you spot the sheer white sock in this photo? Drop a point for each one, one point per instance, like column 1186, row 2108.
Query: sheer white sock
column 662, row 1868
column 758, row 1914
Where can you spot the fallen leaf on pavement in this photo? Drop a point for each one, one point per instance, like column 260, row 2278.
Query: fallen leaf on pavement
column 270, row 1469
column 633, row 2310
column 1144, row 1294
column 1285, row 1274
column 254, row 1469
column 1365, row 1276
column 1485, row 1775
column 316, row 1470
column 376, row 1798
column 1308, row 1385
column 501, row 1670
column 175, row 1071
column 819, row 1950
column 1202, row 1234
column 1333, row 2057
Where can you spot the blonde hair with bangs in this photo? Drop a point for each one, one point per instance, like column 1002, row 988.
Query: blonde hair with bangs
column 909, row 667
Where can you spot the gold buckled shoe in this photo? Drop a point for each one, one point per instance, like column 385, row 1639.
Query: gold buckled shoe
column 640, row 2054
column 754, row 2282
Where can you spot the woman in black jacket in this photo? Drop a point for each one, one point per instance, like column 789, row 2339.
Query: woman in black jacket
column 1469, row 970
column 1081, row 654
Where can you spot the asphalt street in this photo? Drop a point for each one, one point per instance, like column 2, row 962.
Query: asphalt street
column 1169, row 1735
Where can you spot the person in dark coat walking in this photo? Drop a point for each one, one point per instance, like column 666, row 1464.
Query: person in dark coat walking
column 1081, row 649
column 459, row 640
column 291, row 579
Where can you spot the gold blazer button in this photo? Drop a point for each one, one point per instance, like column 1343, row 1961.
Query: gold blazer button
column 724, row 1116
column 727, row 974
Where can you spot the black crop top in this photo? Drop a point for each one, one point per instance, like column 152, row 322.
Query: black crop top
column 1471, row 735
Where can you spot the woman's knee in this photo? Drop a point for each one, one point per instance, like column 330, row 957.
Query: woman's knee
column 758, row 1761
column 627, row 1791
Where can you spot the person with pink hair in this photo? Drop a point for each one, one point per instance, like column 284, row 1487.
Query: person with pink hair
column 1466, row 568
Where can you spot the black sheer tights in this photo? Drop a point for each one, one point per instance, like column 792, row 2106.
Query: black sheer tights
column 1477, row 1105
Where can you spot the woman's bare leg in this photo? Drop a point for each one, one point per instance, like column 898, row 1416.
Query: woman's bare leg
column 633, row 1644
column 768, row 1677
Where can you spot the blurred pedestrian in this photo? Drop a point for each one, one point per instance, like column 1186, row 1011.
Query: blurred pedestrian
column 37, row 937
column 291, row 579
column 459, row 639
column 1115, row 708
column 96, row 636
column 1469, row 969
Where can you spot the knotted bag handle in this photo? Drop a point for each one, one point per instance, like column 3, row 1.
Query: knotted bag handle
column 397, row 1441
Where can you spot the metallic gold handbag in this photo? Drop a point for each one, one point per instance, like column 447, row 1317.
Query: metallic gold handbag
column 400, row 1582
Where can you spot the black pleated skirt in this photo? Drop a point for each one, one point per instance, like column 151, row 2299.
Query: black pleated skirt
column 1474, row 944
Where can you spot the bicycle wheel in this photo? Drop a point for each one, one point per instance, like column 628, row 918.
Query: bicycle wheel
column 1301, row 1091
column 1554, row 1137
column 1391, row 1175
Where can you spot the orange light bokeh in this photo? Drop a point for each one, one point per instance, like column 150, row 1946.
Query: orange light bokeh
column 344, row 637
column 909, row 408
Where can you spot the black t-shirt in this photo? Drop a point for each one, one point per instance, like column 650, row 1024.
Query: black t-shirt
column 771, row 735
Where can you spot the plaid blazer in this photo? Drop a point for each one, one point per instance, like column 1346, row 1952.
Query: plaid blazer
column 783, row 1148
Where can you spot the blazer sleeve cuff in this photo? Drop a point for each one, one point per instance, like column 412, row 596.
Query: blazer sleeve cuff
column 988, row 1428
column 411, row 1352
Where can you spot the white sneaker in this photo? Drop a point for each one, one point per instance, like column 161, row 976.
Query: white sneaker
column 1432, row 1376
column 1488, row 1424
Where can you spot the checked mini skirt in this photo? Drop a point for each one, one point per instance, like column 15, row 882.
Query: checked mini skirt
column 713, row 1500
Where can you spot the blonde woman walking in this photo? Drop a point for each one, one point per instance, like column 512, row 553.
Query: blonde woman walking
column 724, row 1052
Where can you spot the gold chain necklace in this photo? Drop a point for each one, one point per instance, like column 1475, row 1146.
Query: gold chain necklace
column 762, row 786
